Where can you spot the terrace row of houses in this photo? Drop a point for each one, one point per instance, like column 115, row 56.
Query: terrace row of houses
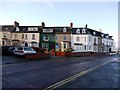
column 81, row 39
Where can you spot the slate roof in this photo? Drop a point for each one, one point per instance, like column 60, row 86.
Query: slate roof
column 59, row 29
column 8, row 28
column 24, row 29
column 91, row 32
column 56, row 29
column 75, row 29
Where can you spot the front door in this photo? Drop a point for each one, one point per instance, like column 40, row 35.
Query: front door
column 26, row 44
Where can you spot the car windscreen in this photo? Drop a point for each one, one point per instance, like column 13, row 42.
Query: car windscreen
column 27, row 49
column 20, row 48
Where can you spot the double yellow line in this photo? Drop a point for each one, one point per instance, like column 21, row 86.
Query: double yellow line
column 58, row 84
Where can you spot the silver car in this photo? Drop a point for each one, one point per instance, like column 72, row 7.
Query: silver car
column 24, row 51
column 11, row 50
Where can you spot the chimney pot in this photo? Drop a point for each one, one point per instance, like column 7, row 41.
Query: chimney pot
column 43, row 24
column 86, row 26
column 71, row 25
column 16, row 24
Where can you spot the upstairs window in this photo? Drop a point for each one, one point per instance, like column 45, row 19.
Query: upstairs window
column 65, row 38
column 22, row 36
column 94, row 40
column 15, row 36
column 111, row 43
column 56, row 37
column 107, row 42
column 33, row 36
column 89, row 38
column 46, row 38
column 25, row 36
column 53, row 37
column 77, row 39
column 4, row 35
column 85, row 39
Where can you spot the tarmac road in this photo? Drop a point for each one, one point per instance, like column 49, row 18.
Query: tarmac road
column 43, row 74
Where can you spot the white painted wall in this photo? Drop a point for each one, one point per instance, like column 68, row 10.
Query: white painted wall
column 89, row 42
column 106, row 41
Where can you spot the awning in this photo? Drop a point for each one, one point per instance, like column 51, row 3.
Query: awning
column 78, row 44
column 33, row 42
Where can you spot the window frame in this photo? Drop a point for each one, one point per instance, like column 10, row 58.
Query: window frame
column 26, row 37
column 15, row 36
column 77, row 39
column 33, row 36
column 4, row 34
column 65, row 37
column 65, row 45
column 22, row 36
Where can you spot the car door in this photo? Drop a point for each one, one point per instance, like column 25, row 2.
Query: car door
column 30, row 50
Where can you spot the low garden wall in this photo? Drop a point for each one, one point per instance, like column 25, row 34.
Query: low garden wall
column 61, row 53
column 38, row 56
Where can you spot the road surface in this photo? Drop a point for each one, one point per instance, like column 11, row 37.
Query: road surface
column 42, row 74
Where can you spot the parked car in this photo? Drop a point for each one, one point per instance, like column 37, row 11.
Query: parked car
column 11, row 50
column 24, row 51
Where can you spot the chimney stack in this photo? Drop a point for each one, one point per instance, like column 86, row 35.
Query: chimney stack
column 71, row 25
column 43, row 24
column 86, row 26
column 16, row 24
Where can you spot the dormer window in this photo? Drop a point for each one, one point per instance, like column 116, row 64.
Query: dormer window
column 32, row 29
column 64, row 29
column 107, row 36
column 17, row 29
column 78, row 30
column 94, row 33
column 23, row 28
column 102, row 35
column 84, row 30
column 6, row 29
